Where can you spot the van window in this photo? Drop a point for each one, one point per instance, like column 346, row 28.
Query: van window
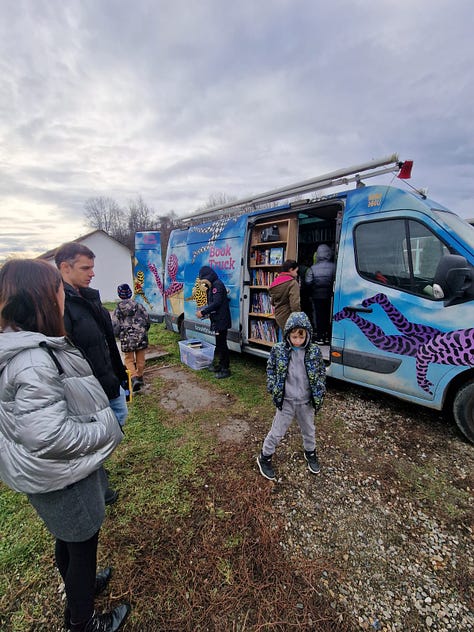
column 400, row 253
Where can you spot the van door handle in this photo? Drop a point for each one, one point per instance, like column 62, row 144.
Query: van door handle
column 363, row 310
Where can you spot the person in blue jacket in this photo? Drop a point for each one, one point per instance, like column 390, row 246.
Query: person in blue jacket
column 296, row 379
column 218, row 311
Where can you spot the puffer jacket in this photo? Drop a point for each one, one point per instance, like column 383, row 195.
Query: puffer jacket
column 56, row 426
column 89, row 326
column 131, row 324
column 319, row 278
column 279, row 360
column 217, row 307
column 284, row 294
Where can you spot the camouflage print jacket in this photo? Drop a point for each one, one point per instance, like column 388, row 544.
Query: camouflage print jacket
column 279, row 360
column 131, row 323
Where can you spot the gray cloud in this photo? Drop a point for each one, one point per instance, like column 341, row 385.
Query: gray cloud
column 176, row 101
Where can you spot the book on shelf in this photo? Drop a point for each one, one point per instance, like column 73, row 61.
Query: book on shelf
column 263, row 277
column 276, row 256
column 263, row 330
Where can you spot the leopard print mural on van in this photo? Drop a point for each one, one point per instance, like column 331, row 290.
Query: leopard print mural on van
column 199, row 293
column 426, row 344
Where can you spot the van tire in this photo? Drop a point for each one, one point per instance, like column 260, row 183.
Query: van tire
column 463, row 410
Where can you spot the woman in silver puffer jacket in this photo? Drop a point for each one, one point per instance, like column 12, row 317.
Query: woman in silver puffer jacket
column 56, row 431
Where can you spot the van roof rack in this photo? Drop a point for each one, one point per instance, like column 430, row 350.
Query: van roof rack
column 335, row 178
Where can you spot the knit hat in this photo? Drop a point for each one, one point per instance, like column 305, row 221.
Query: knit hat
column 124, row 291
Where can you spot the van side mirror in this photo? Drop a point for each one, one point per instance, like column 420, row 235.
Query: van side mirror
column 455, row 278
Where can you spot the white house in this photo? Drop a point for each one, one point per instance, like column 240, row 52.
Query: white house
column 113, row 263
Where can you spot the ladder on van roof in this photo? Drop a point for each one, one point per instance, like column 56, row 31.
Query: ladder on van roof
column 390, row 164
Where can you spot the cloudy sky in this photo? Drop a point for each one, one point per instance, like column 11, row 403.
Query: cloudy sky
column 177, row 100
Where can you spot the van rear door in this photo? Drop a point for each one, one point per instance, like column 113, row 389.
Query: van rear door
column 148, row 274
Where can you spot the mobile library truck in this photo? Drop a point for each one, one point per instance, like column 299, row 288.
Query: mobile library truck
column 403, row 297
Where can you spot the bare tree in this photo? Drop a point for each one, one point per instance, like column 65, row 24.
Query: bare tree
column 103, row 213
column 218, row 199
column 122, row 223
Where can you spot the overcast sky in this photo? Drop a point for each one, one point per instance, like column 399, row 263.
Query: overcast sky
column 182, row 99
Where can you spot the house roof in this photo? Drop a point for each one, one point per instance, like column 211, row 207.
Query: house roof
column 49, row 254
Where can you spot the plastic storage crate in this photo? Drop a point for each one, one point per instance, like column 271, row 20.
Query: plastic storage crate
column 197, row 354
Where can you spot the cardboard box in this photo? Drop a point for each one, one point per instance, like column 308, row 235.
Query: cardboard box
column 197, row 354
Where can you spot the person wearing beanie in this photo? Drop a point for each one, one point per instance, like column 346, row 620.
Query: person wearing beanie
column 131, row 323
column 218, row 311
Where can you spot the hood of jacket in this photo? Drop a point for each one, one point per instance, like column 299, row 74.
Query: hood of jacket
column 298, row 319
column 283, row 277
column 14, row 342
column 128, row 307
column 208, row 274
column 323, row 253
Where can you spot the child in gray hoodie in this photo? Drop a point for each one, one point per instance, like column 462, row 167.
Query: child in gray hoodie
column 296, row 378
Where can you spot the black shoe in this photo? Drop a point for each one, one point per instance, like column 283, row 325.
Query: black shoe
column 214, row 368
column 137, row 383
column 265, row 466
column 312, row 460
column 107, row 622
column 111, row 496
column 102, row 580
column 222, row 374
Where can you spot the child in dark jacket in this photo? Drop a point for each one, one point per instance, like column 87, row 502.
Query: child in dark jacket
column 296, row 378
column 131, row 323
column 218, row 311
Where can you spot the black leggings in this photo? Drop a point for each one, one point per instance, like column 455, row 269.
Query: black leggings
column 77, row 563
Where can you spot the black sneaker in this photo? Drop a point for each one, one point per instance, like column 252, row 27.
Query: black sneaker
column 312, row 460
column 102, row 580
column 265, row 466
column 111, row 496
column 107, row 622
column 223, row 373
column 137, row 383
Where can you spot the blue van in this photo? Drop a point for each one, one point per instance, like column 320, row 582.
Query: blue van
column 403, row 297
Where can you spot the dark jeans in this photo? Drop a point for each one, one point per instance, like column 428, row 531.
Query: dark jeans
column 77, row 563
column 221, row 354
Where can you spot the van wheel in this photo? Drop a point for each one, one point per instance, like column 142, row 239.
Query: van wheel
column 463, row 410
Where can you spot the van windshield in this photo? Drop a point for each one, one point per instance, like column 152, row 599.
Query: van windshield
column 458, row 226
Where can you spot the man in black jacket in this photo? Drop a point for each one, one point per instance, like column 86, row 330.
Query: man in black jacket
column 217, row 309
column 89, row 326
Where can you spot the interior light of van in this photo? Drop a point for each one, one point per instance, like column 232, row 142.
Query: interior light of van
column 405, row 169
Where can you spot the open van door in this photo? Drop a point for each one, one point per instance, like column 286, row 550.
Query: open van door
column 148, row 274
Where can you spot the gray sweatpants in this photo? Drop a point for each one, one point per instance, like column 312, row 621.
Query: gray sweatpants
column 304, row 414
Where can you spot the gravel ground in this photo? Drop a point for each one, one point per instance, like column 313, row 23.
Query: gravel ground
column 390, row 515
